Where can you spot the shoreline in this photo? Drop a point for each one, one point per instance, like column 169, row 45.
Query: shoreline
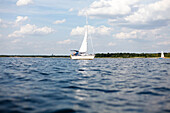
column 97, row 55
column 33, row 56
column 41, row 56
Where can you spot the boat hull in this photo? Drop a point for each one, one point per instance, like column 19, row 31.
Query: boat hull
column 162, row 58
column 83, row 57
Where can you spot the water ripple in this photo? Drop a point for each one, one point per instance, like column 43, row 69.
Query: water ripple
column 61, row 85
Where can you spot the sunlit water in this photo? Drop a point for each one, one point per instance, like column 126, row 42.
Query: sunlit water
column 54, row 85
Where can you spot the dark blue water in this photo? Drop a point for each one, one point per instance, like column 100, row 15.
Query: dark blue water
column 57, row 85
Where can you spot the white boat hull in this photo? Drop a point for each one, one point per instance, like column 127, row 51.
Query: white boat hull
column 83, row 57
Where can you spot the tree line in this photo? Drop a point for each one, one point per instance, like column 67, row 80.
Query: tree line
column 131, row 55
column 100, row 55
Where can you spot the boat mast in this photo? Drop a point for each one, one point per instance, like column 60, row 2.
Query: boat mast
column 87, row 33
column 87, row 29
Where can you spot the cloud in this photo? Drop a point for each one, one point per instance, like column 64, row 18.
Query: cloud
column 68, row 41
column 108, row 8
column 123, row 35
column 60, row 21
column 31, row 30
column 111, row 44
column 152, row 12
column 134, row 14
column 164, row 43
column 138, row 34
column 16, row 41
column 5, row 24
column 101, row 30
column 71, row 9
column 21, row 19
column 23, row 2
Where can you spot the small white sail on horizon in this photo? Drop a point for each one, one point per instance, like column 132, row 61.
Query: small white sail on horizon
column 162, row 54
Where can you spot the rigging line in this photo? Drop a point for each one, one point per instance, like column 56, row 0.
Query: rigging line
column 91, row 43
column 89, row 33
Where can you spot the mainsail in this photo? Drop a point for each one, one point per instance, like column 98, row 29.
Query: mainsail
column 83, row 48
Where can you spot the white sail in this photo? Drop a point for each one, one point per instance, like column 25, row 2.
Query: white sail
column 83, row 48
column 162, row 54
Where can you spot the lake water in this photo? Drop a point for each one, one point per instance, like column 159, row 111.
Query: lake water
column 57, row 85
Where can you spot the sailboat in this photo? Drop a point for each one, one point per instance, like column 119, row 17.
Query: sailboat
column 82, row 54
column 162, row 55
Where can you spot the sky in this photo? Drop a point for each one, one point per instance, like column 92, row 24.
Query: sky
column 45, row 27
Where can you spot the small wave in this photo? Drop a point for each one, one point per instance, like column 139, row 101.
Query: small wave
column 129, row 91
column 6, row 101
column 95, row 70
column 163, row 70
column 33, row 70
column 88, row 89
column 157, row 78
column 56, row 68
column 67, row 110
column 73, row 87
column 81, row 70
column 63, row 72
column 103, row 79
column 9, row 103
column 84, row 105
column 106, row 91
column 133, row 110
column 115, row 105
column 145, row 86
column 149, row 93
column 43, row 73
column 45, row 80
column 163, row 89
column 167, row 110
column 24, row 79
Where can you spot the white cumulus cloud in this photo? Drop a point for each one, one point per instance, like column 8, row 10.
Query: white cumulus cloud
column 5, row 24
column 164, row 43
column 151, row 12
column 30, row 30
column 101, row 30
column 108, row 8
column 68, row 41
column 137, row 34
column 23, row 2
column 111, row 44
column 123, row 35
column 71, row 9
column 21, row 19
column 60, row 21
column 16, row 41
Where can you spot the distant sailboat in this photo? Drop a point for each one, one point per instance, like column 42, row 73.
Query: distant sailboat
column 162, row 55
column 82, row 54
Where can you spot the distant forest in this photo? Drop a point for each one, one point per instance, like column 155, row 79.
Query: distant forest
column 131, row 55
column 36, row 56
column 99, row 55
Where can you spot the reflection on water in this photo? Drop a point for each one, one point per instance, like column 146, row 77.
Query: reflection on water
column 83, row 67
column 100, row 85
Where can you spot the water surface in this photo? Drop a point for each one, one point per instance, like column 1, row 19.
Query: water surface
column 54, row 85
